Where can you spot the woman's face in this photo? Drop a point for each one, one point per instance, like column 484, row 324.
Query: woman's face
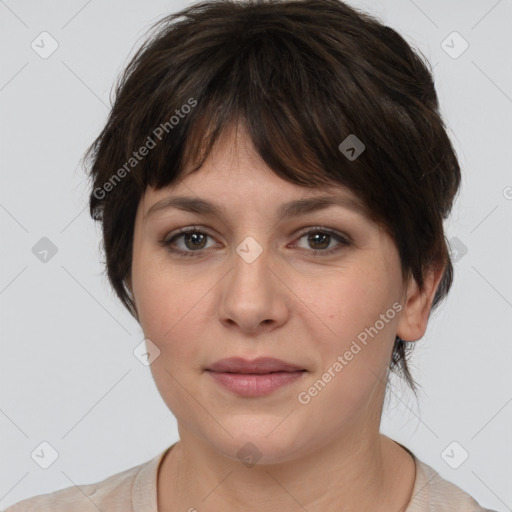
column 253, row 282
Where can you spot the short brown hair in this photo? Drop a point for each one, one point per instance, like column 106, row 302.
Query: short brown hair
column 302, row 75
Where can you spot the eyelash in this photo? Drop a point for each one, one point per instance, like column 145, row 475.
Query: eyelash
column 166, row 242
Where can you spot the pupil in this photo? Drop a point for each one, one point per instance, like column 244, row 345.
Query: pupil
column 325, row 237
column 195, row 237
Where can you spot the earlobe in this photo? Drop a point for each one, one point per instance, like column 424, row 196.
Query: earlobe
column 416, row 309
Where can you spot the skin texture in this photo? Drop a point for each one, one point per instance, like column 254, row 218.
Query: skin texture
column 288, row 303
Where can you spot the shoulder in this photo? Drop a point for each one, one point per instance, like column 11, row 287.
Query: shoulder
column 113, row 494
column 432, row 492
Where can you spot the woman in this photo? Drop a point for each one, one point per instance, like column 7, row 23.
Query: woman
column 272, row 183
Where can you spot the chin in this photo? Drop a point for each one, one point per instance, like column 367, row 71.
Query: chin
column 255, row 446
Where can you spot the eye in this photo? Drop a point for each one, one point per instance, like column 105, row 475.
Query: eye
column 194, row 240
column 319, row 239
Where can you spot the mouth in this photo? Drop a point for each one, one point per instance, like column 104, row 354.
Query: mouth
column 255, row 378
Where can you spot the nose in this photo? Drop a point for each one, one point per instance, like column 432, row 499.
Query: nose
column 253, row 297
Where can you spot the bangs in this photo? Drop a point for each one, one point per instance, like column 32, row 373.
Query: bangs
column 295, row 111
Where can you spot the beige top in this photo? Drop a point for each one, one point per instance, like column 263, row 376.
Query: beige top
column 135, row 490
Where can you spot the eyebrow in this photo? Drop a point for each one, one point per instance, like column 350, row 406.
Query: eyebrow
column 286, row 210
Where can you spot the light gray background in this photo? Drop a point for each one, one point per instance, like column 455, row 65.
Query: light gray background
column 67, row 372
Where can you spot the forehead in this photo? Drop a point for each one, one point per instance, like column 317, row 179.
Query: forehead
column 235, row 176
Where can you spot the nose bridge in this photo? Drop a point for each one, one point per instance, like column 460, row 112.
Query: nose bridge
column 252, row 294
column 250, row 279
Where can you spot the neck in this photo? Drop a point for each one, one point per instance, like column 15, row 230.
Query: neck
column 352, row 472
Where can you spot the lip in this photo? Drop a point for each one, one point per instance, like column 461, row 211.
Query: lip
column 258, row 377
column 258, row 366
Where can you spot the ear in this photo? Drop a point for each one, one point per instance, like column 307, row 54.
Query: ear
column 414, row 317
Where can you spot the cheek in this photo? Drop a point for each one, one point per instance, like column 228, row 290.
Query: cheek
column 352, row 343
column 344, row 305
column 352, row 318
column 154, row 286
column 173, row 308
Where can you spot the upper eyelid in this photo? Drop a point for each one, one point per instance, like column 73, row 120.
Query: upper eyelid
column 298, row 234
column 207, row 230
